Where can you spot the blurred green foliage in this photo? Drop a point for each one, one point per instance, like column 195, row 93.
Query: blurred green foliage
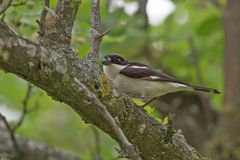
column 189, row 38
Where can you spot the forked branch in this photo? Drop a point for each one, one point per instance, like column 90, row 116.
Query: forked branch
column 56, row 26
column 96, row 31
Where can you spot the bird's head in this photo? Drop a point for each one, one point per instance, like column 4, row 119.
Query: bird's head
column 114, row 59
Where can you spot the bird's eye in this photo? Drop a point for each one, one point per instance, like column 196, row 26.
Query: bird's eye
column 119, row 60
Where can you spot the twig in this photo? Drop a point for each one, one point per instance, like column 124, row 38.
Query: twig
column 95, row 25
column 127, row 148
column 104, row 33
column 25, row 110
column 42, row 21
column 95, row 35
column 11, row 133
column 95, row 14
column 6, row 6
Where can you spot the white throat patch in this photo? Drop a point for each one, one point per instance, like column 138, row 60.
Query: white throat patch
column 112, row 70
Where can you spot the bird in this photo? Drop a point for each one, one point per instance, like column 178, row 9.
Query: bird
column 141, row 81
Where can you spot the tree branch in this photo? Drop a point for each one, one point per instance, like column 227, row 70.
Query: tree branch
column 11, row 133
column 55, row 72
column 41, row 23
column 6, row 6
column 30, row 149
column 25, row 109
column 12, row 130
column 127, row 148
column 96, row 35
column 58, row 26
column 95, row 38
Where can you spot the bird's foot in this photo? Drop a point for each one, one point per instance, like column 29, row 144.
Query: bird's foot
column 148, row 102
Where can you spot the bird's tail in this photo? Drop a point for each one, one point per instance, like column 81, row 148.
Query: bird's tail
column 204, row 89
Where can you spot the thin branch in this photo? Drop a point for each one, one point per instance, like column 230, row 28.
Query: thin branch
column 128, row 148
column 11, row 133
column 95, row 35
column 42, row 21
column 6, row 6
column 95, row 26
column 105, row 32
column 25, row 110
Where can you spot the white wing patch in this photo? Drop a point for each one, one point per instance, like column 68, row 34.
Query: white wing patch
column 154, row 77
column 177, row 85
column 139, row 67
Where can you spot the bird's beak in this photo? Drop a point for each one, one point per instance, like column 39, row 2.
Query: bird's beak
column 106, row 61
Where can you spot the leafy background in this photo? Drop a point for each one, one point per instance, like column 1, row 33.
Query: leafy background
column 187, row 44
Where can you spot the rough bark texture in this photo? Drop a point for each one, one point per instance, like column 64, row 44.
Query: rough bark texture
column 95, row 38
column 54, row 71
column 57, row 27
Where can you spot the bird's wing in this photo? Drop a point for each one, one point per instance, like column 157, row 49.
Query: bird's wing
column 137, row 65
column 141, row 71
column 147, row 73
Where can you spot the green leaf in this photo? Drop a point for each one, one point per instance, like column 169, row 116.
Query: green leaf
column 165, row 121
column 159, row 120
column 209, row 26
column 149, row 109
